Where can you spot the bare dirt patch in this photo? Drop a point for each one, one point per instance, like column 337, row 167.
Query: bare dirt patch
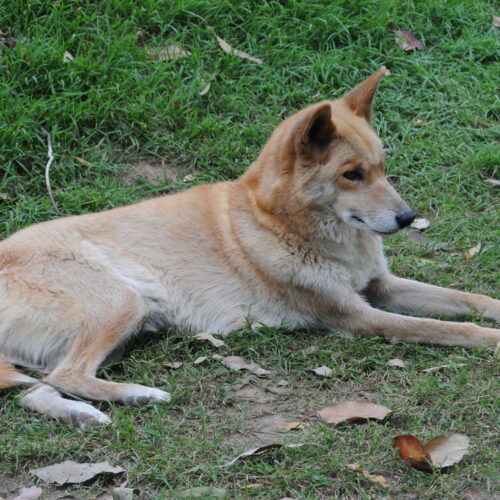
column 154, row 173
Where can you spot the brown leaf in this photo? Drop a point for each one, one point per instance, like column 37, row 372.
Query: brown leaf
column 73, row 472
column 473, row 251
column 411, row 450
column 82, row 161
column 406, row 40
column 208, row 336
column 230, row 50
column 447, row 449
column 496, row 21
column 238, row 363
column 396, row 362
column 174, row 365
column 260, row 450
column 166, row 53
column 352, row 411
column 293, row 426
column 380, row 480
column 322, row 371
column 29, row 493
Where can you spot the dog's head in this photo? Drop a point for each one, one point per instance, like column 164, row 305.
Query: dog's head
column 328, row 158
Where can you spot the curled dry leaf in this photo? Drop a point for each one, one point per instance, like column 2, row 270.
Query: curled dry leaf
column 406, row 40
column 166, row 53
column 205, row 89
column 68, row 58
column 238, row 363
column 230, row 50
column 353, row 410
column 420, row 223
column 473, row 251
column 322, row 371
column 208, row 336
column 82, row 161
column 29, row 493
column 441, row 451
column 496, row 21
column 293, row 426
column 396, row 362
column 73, row 472
column 380, row 480
column 411, row 450
column 260, row 450
column 174, row 365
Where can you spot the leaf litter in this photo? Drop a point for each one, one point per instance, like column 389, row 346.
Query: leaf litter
column 473, row 251
column 31, row 493
column 230, row 50
column 208, row 336
column 407, row 41
column 73, row 472
column 380, row 480
column 260, row 450
column 441, row 451
column 237, row 363
column 353, row 411
column 322, row 371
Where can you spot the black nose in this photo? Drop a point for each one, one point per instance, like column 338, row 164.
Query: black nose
column 405, row 218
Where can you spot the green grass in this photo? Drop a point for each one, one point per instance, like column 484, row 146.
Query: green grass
column 438, row 115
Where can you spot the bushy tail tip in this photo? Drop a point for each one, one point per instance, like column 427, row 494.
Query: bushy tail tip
column 10, row 377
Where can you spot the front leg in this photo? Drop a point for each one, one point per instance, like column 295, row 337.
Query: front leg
column 407, row 296
column 359, row 318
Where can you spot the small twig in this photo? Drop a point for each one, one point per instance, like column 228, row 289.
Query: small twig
column 47, row 174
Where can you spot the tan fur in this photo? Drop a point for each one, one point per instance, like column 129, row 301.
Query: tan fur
column 296, row 240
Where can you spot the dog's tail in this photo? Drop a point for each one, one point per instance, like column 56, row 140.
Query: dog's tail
column 10, row 377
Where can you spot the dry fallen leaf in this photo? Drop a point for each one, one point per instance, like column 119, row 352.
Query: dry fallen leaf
column 322, row 371
column 201, row 359
column 68, row 58
column 380, row 480
column 230, row 50
column 496, row 21
column 166, row 53
column 29, row 493
column 174, row 365
column 238, row 363
column 73, row 472
column 396, row 362
column 447, row 449
column 441, row 451
column 420, row 223
column 205, row 89
column 208, row 336
column 492, row 182
column 353, row 410
column 411, row 450
column 82, row 161
column 416, row 236
column 473, row 251
column 123, row 493
column 293, row 426
column 260, row 450
column 406, row 40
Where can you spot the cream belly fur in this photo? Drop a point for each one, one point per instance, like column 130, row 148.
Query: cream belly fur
column 296, row 241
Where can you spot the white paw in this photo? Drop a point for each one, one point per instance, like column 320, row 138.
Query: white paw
column 84, row 415
column 141, row 395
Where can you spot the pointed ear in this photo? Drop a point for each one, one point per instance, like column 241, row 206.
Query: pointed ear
column 360, row 98
column 314, row 133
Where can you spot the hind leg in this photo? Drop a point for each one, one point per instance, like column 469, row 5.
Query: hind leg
column 76, row 373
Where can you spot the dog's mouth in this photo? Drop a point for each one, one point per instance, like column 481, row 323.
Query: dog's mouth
column 361, row 221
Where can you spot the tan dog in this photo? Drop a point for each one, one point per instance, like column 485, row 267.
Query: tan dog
column 296, row 239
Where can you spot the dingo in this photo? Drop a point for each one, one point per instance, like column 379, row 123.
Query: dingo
column 296, row 239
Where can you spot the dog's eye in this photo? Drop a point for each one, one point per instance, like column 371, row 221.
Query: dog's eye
column 353, row 175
